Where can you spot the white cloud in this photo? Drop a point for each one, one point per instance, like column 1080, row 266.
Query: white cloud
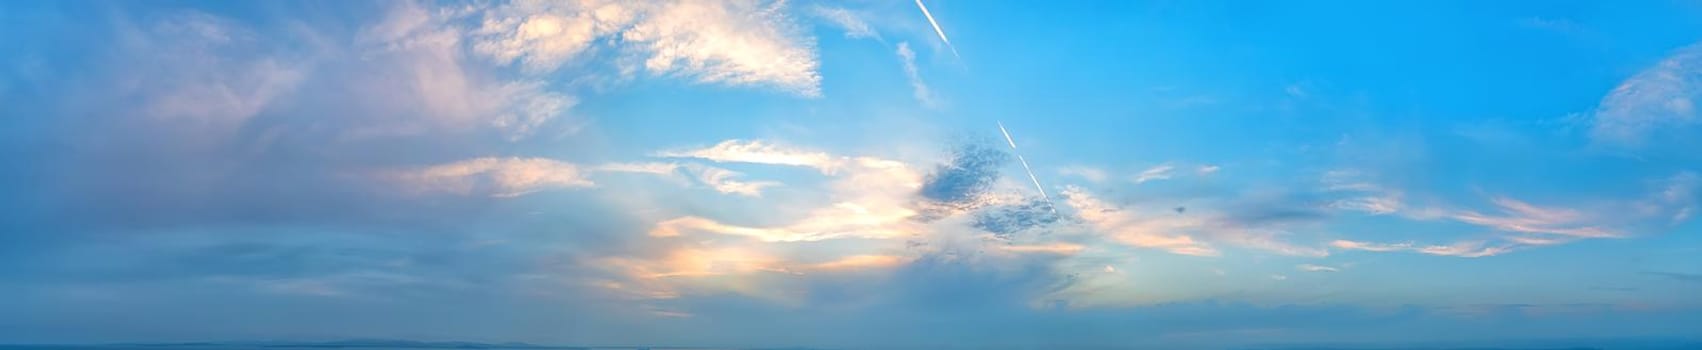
column 1266, row 240
column 1051, row 248
column 1161, row 172
column 1316, row 268
column 721, row 180
column 654, row 168
column 1295, row 90
column 1204, row 170
column 853, row 24
column 1127, row 228
column 1523, row 217
column 1089, row 173
column 868, row 198
column 1368, row 246
column 544, row 35
column 1383, row 204
column 1679, row 195
column 726, row 181
column 1465, row 249
column 917, row 86
column 1661, row 96
column 760, row 152
column 1366, row 196
column 728, row 42
column 500, row 177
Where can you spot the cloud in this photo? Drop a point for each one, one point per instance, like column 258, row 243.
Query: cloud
column 1372, row 247
column 1161, row 172
column 272, row 119
column 1464, row 249
column 731, row 42
column 853, row 24
column 1295, row 91
column 500, row 177
column 917, row 86
column 1365, row 196
column 721, row 180
column 543, row 35
column 844, row 220
column 1523, row 217
column 1660, row 97
column 1006, row 220
column 1204, row 170
column 868, row 198
column 1376, row 205
column 422, row 51
column 653, row 168
column 725, row 181
column 1316, row 268
column 858, row 262
column 760, row 152
column 1267, row 240
column 1676, row 198
column 1090, row 173
column 203, row 70
column 1522, row 223
column 967, row 179
column 1127, row 228
column 1052, row 248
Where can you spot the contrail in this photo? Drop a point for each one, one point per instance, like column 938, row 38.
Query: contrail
column 937, row 29
column 1025, row 167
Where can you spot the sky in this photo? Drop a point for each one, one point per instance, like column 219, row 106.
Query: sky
column 851, row 174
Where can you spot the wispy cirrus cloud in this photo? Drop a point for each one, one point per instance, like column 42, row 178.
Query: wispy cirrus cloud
column 500, row 177
column 207, row 71
column 1208, row 169
column 853, row 24
column 1662, row 96
column 1464, row 249
column 1362, row 195
column 1521, row 217
column 1161, row 172
column 918, row 87
column 1316, row 268
column 653, row 168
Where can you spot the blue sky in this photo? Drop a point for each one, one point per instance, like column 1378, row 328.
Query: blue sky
column 808, row 173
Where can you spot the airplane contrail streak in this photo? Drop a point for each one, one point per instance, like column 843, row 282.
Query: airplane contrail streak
column 937, row 29
column 1025, row 167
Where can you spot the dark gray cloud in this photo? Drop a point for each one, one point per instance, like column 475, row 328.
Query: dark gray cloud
column 965, row 185
column 967, row 177
column 1007, row 220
